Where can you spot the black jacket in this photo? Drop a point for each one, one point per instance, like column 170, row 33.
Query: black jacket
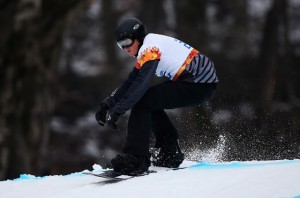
column 132, row 89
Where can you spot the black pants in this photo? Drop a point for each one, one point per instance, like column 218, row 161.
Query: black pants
column 148, row 114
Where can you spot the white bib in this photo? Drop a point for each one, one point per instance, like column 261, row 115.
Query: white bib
column 174, row 55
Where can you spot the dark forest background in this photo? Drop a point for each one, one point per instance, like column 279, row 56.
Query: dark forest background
column 58, row 60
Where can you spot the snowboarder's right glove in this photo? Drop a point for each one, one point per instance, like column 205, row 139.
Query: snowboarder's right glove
column 101, row 114
column 112, row 119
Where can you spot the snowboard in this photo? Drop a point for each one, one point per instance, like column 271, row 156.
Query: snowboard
column 113, row 175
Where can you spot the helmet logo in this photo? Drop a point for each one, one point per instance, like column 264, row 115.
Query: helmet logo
column 136, row 26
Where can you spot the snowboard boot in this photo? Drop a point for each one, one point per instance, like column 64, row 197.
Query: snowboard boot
column 130, row 164
column 170, row 156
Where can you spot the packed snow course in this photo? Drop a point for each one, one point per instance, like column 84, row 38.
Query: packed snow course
column 276, row 179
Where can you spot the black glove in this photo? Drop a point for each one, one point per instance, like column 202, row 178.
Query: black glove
column 112, row 119
column 101, row 114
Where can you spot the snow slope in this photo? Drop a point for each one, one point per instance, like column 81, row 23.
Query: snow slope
column 235, row 179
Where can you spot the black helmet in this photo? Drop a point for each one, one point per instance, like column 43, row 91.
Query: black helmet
column 131, row 27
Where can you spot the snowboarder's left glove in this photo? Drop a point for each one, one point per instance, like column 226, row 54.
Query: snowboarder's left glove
column 112, row 119
column 101, row 114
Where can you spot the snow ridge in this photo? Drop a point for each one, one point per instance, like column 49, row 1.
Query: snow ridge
column 228, row 179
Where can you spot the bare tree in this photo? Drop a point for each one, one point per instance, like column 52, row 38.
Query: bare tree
column 29, row 56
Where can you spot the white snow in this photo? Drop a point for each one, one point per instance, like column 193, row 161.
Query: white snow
column 232, row 179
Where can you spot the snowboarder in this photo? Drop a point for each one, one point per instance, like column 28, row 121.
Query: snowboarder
column 192, row 81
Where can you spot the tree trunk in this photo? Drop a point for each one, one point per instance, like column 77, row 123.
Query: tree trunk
column 191, row 23
column 269, row 58
column 265, row 122
column 109, row 21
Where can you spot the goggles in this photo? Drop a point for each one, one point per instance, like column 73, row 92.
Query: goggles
column 125, row 43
